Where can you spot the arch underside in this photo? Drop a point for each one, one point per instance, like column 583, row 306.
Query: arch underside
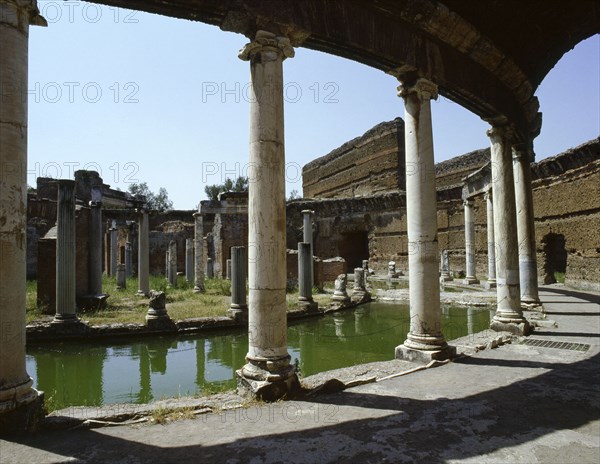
column 488, row 56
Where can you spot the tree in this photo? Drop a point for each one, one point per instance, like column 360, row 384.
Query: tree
column 239, row 185
column 294, row 195
column 154, row 201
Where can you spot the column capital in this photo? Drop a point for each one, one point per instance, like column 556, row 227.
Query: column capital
column 95, row 204
column 500, row 132
column 31, row 10
column 308, row 211
column 523, row 151
column 468, row 202
column 265, row 41
column 198, row 214
column 422, row 88
column 487, row 195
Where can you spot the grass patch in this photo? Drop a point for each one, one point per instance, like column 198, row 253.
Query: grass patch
column 560, row 277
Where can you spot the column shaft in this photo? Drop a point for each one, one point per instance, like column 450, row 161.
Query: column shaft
column 95, row 248
column 172, row 263
column 508, row 314
column 268, row 358
column 198, row 253
column 525, row 226
column 113, row 250
column 16, row 394
column 189, row 260
column 143, row 254
column 491, row 282
column 470, row 244
column 238, row 282
column 65, row 253
column 307, row 230
column 425, row 339
column 304, row 272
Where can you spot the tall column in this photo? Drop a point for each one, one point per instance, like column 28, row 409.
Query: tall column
column 172, row 263
column 143, row 254
column 425, row 340
column 189, row 260
column 95, row 248
column 307, row 229
column 491, row 281
column 508, row 314
column 198, row 254
column 128, row 259
column 238, row 308
column 305, row 299
column 114, row 252
column 267, row 373
column 470, row 244
column 525, row 226
column 66, row 277
column 20, row 405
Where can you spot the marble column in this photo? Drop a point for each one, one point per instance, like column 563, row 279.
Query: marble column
column 470, row 278
column 198, row 254
column 228, row 269
column 95, row 248
column 307, row 231
column 508, row 313
column 128, row 259
column 238, row 308
column 66, row 276
column 522, row 157
column 445, row 267
column 491, row 281
column 425, row 340
column 189, row 260
column 360, row 286
column 114, row 252
column 305, row 299
column 267, row 373
column 20, row 405
column 143, row 254
column 172, row 263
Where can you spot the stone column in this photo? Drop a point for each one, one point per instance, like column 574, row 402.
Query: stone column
column 143, row 254
column 470, row 278
column 307, row 231
column 491, row 282
column 210, row 270
column 65, row 254
column 172, row 263
column 238, row 309
column 425, row 340
column 113, row 249
column 189, row 260
column 20, row 405
column 360, row 287
column 198, row 254
column 522, row 156
column 121, row 276
column 228, row 269
column 305, row 299
column 267, row 373
column 445, row 267
column 128, row 259
column 508, row 313
column 95, row 248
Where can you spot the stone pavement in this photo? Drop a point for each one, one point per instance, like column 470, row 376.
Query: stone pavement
column 517, row 403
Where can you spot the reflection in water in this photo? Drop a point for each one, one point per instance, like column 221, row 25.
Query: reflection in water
column 147, row 369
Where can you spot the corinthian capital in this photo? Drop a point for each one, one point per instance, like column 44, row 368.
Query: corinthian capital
column 422, row 88
column 264, row 41
column 500, row 132
column 30, row 10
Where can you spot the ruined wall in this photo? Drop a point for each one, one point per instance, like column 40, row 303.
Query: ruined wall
column 371, row 163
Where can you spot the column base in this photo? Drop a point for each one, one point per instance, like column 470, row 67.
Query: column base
column 361, row 296
column 238, row 313
column 65, row 319
column 516, row 327
column 470, row 281
column 489, row 284
column 308, row 306
column 424, row 356
column 142, row 293
column 340, row 299
column 198, row 289
column 532, row 304
column 23, row 414
column 254, row 380
column 446, row 278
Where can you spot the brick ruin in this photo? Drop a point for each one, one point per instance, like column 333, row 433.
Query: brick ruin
column 357, row 224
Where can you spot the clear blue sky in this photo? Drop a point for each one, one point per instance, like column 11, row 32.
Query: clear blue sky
column 145, row 98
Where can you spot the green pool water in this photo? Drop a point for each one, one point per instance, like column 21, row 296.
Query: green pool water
column 145, row 369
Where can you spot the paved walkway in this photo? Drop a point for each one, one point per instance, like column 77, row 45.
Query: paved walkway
column 516, row 403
